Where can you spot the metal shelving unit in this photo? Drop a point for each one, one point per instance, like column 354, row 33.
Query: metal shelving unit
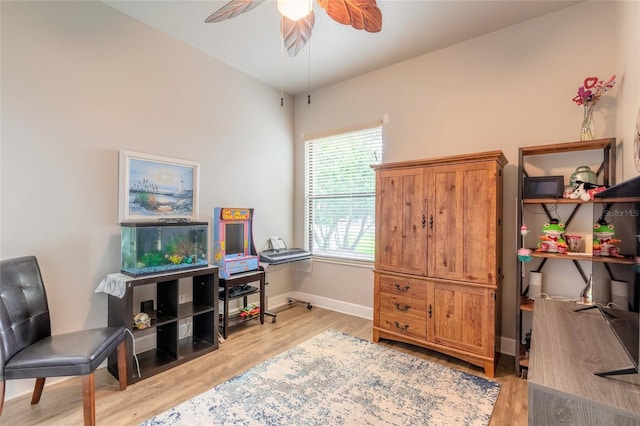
column 605, row 173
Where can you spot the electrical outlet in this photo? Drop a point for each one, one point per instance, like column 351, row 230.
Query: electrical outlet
column 182, row 298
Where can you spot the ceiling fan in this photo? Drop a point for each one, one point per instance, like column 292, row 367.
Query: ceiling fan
column 298, row 18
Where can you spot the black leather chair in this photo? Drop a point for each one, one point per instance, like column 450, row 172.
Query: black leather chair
column 27, row 348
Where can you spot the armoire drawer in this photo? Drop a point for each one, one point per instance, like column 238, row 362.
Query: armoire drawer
column 391, row 305
column 404, row 323
column 403, row 287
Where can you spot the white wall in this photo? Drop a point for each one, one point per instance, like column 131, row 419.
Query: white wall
column 507, row 89
column 81, row 81
column 628, row 58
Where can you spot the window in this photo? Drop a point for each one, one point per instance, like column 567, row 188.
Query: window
column 340, row 193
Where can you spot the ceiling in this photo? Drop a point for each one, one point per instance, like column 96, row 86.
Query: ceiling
column 251, row 42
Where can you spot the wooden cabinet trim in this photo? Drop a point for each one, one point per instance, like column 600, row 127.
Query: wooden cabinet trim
column 494, row 156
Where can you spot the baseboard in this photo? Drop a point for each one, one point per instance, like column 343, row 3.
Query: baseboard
column 507, row 346
column 284, row 300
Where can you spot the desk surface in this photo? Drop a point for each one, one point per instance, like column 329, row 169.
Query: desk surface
column 567, row 347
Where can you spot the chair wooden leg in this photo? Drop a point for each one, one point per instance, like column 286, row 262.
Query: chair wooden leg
column 1, row 396
column 122, row 364
column 89, row 399
column 37, row 390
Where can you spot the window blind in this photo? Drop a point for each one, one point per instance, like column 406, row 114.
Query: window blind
column 340, row 193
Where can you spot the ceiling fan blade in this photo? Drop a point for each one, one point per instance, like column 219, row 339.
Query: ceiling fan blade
column 296, row 34
column 360, row 14
column 232, row 9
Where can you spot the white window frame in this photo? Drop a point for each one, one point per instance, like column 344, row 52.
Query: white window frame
column 346, row 238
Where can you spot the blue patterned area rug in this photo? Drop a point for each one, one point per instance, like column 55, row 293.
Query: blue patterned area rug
column 337, row 379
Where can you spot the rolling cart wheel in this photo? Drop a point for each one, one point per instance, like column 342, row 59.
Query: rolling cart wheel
column 309, row 306
column 273, row 319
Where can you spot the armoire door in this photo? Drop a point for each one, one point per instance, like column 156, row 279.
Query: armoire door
column 461, row 317
column 462, row 222
column 401, row 221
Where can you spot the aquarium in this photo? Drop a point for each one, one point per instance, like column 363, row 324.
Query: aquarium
column 153, row 248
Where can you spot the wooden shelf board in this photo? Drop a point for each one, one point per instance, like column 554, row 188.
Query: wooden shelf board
column 526, row 304
column 189, row 309
column 152, row 361
column 616, row 200
column 554, row 201
column 252, row 290
column 236, row 319
column 627, row 260
column 578, row 201
column 568, row 147
column 190, row 347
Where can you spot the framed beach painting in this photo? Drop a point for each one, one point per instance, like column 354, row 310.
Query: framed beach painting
column 153, row 188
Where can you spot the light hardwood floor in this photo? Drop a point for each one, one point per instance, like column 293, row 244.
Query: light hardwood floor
column 246, row 346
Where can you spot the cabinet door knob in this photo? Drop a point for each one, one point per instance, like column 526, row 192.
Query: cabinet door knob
column 402, row 327
column 430, row 311
column 431, row 221
column 424, row 221
column 399, row 288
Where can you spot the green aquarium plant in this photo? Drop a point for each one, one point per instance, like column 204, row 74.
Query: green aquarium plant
column 152, row 259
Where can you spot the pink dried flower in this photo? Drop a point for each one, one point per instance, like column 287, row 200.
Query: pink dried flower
column 589, row 97
column 589, row 82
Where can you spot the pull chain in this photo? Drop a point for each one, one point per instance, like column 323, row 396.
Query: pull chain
column 281, row 67
column 309, row 75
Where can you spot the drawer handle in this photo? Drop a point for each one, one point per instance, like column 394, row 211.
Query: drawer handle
column 402, row 308
column 401, row 327
column 405, row 288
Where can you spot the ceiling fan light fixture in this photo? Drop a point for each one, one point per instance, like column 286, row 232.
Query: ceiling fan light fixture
column 298, row 17
column 295, row 9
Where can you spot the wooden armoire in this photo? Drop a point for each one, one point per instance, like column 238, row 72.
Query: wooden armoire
column 438, row 268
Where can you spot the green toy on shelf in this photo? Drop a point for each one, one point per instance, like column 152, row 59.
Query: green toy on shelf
column 553, row 239
column 603, row 241
column 249, row 311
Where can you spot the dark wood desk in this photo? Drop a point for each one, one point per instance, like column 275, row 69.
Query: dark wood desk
column 236, row 287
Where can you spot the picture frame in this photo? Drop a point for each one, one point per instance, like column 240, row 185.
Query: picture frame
column 152, row 188
column 543, row 187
